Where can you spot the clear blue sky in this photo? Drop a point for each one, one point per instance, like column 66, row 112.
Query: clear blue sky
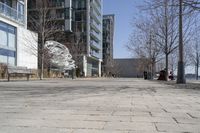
column 124, row 11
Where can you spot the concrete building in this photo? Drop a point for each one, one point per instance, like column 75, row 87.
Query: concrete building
column 132, row 68
column 18, row 46
column 83, row 18
column 108, row 35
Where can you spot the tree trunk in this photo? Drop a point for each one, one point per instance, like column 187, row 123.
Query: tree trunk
column 197, row 73
column 153, row 69
column 167, row 66
column 42, row 67
column 197, row 68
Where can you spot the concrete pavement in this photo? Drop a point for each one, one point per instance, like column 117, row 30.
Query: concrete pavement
column 98, row 106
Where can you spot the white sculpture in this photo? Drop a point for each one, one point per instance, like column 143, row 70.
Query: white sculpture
column 60, row 55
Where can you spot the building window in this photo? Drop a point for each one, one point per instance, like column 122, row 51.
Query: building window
column 67, row 13
column 20, row 9
column 11, row 61
column 3, row 59
column 8, row 35
column 80, row 4
column 11, row 42
column 7, row 44
column 3, row 40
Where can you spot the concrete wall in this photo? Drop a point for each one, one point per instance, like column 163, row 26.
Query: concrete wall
column 27, row 48
column 128, row 67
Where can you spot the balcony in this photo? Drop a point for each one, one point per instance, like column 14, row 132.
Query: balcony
column 11, row 13
column 95, row 7
column 95, row 26
column 96, row 17
column 95, row 54
column 97, row 4
column 57, row 4
column 95, row 45
column 93, row 37
column 94, row 33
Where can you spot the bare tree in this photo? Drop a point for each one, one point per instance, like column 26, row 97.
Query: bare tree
column 194, row 52
column 42, row 22
column 75, row 43
column 164, row 14
column 165, row 18
column 143, row 43
column 115, row 69
column 181, row 73
column 109, row 66
column 196, row 58
column 193, row 4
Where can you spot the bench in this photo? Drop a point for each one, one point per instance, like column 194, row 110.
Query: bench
column 15, row 70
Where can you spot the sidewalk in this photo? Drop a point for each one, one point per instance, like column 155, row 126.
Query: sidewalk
column 190, row 84
column 98, row 106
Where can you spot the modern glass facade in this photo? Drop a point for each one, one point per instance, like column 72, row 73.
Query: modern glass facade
column 79, row 16
column 87, row 18
column 7, row 44
column 81, row 19
column 96, row 29
column 108, row 34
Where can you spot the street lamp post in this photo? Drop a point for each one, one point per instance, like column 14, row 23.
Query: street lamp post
column 181, row 68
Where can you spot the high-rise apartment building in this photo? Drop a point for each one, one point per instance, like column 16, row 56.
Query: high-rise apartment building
column 15, row 40
column 83, row 19
column 108, row 35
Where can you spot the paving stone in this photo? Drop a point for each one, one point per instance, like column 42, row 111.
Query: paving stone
column 128, row 126
column 97, row 106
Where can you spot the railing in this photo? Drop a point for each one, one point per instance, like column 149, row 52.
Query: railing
column 11, row 13
column 95, row 44
column 97, row 35
column 98, row 10
column 93, row 22
column 95, row 26
column 97, row 3
column 95, row 16
column 93, row 37
column 95, row 54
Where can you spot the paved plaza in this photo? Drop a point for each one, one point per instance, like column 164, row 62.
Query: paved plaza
column 98, row 106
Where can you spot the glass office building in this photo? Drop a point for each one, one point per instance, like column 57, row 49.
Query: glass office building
column 84, row 17
column 108, row 35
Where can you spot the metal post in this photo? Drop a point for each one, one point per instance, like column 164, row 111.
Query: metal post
column 181, row 68
column 74, row 73
column 73, row 76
